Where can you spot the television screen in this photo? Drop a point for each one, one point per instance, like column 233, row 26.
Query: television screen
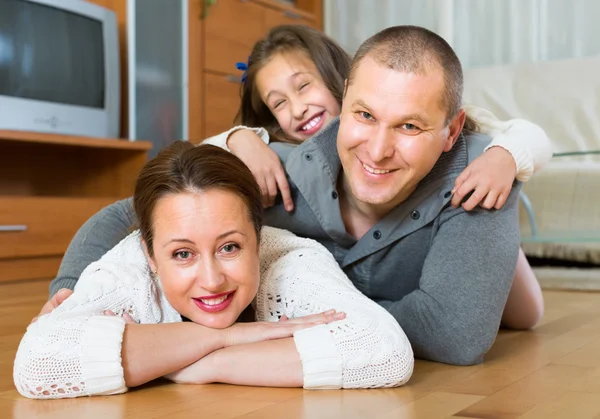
column 50, row 55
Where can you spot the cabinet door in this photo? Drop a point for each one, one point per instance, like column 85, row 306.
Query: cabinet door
column 42, row 226
column 284, row 17
column 231, row 29
column 222, row 100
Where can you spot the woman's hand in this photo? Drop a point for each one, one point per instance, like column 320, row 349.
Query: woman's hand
column 264, row 165
column 490, row 178
column 230, row 363
column 242, row 333
column 327, row 317
column 128, row 319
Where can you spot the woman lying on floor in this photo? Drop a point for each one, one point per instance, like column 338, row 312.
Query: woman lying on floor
column 168, row 299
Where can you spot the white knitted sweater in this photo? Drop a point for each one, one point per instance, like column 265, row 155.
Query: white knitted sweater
column 76, row 351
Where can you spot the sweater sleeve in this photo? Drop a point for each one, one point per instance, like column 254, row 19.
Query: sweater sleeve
column 76, row 350
column 525, row 141
column 454, row 314
column 220, row 140
column 367, row 349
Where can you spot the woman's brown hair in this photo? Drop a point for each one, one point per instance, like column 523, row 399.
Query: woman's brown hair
column 185, row 168
column 332, row 62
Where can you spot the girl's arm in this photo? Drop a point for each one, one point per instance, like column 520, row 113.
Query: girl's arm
column 518, row 149
column 222, row 140
column 300, row 277
column 251, row 146
column 527, row 142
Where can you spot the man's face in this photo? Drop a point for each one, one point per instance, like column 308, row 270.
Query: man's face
column 392, row 132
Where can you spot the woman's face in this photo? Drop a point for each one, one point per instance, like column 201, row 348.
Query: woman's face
column 292, row 88
column 206, row 255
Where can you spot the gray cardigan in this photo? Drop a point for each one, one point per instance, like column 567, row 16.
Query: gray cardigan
column 443, row 273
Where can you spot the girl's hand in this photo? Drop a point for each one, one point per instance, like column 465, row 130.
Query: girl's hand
column 264, row 165
column 242, row 333
column 490, row 178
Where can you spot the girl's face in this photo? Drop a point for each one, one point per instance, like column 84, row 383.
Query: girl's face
column 206, row 255
column 292, row 88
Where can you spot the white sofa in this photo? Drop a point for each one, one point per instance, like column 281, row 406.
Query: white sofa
column 563, row 97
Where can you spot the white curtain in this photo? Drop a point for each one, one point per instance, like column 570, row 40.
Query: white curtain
column 482, row 32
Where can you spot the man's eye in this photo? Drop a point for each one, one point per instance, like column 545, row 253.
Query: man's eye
column 366, row 115
column 182, row 255
column 410, row 127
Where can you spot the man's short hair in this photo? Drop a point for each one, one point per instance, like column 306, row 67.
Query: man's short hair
column 413, row 49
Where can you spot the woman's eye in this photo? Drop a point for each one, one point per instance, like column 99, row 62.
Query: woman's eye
column 230, row 248
column 182, row 255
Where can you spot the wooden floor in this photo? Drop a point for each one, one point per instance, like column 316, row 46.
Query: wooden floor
column 552, row 372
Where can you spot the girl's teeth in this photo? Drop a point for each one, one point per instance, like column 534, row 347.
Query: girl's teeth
column 311, row 123
column 375, row 171
column 214, row 301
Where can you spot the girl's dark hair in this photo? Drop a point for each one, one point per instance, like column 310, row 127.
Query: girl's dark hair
column 183, row 168
column 332, row 62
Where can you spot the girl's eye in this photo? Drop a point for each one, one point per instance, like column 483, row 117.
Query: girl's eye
column 182, row 255
column 278, row 104
column 230, row 248
column 302, row 86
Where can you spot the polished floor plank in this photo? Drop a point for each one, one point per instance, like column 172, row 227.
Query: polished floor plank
column 551, row 372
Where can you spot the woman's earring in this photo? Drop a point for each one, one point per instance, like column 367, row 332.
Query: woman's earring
column 154, row 276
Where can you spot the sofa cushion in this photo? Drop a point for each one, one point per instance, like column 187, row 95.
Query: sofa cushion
column 563, row 97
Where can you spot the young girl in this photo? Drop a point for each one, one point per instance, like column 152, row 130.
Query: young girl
column 293, row 87
column 196, row 257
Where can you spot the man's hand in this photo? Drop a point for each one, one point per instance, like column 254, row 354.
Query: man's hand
column 490, row 178
column 54, row 302
column 264, row 165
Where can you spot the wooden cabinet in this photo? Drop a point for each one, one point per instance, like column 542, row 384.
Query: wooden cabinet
column 42, row 226
column 219, row 35
column 223, row 98
column 231, row 30
column 49, row 186
column 286, row 17
column 222, row 35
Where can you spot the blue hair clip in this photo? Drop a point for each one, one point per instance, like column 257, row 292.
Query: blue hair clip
column 243, row 67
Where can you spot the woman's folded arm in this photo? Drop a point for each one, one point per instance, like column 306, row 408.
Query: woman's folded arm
column 367, row 349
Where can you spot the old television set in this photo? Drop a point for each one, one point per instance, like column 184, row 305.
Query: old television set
column 59, row 68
